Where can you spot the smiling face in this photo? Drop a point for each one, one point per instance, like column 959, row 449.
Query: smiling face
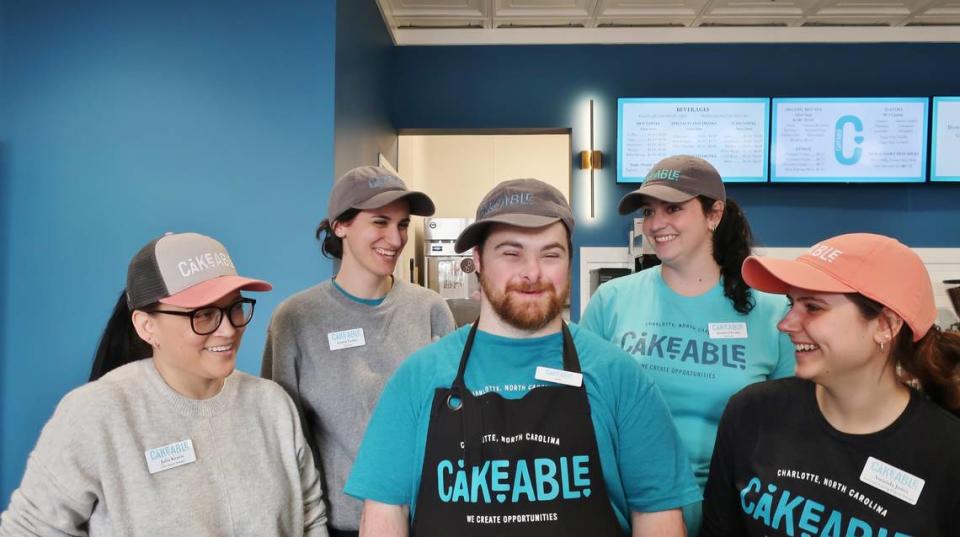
column 191, row 364
column 374, row 238
column 525, row 273
column 680, row 232
column 834, row 341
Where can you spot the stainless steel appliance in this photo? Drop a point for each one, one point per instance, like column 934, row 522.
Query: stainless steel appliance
column 639, row 248
column 448, row 273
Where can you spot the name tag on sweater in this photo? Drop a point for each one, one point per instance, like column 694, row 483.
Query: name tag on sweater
column 892, row 480
column 727, row 330
column 559, row 376
column 346, row 339
column 170, row 456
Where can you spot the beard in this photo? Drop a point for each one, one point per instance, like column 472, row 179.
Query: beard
column 523, row 313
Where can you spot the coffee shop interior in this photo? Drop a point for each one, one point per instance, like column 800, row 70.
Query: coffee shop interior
column 122, row 120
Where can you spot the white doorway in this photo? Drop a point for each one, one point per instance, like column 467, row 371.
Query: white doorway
column 457, row 170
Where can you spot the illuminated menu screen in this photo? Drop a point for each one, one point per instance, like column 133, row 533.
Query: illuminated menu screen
column 945, row 156
column 871, row 140
column 729, row 133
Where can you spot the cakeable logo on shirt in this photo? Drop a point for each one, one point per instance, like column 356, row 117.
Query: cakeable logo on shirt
column 785, row 511
column 680, row 350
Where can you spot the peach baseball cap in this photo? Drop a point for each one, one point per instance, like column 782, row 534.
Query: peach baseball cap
column 878, row 267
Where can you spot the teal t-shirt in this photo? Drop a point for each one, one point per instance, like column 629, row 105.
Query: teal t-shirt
column 644, row 464
column 358, row 300
column 698, row 350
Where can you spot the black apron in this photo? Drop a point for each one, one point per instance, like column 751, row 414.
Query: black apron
column 512, row 467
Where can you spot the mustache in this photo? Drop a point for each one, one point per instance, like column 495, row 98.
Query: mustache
column 540, row 286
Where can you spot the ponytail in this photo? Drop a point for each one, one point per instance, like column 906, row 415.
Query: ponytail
column 931, row 365
column 934, row 362
column 732, row 241
column 119, row 344
column 330, row 244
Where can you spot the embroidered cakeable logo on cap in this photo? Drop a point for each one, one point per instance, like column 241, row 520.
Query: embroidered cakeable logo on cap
column 202, row 262
column 662, row 174
column 507, row 200
column 381, row 181
column 825, row 252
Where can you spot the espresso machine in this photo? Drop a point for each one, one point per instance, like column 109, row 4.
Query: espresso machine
column 448, row 273
column 639, row 248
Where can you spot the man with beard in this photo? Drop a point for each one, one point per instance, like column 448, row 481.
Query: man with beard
column 521, row 424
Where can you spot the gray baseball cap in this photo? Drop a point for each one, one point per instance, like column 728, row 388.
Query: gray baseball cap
column 370, row 187
column 677, row 179
column 517, row 202
column 184, row 269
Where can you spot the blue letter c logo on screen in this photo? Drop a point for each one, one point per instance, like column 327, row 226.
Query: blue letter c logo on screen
column 857, row 139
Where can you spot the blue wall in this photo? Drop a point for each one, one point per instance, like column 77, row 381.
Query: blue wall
column 4, row 226
column 549, row 86
column 363, row 127
column 122, row 120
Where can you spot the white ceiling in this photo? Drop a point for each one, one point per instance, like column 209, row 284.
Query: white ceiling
column 452, row 22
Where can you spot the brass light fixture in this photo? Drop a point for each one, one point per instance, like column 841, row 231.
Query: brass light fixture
column 592, row 160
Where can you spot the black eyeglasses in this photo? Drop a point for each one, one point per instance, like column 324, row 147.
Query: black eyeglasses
column 205, row 321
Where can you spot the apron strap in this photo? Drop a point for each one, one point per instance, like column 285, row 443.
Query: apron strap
column 571, row 362
column 461, row 371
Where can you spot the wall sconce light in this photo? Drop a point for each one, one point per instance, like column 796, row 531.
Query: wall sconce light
column 592, row 160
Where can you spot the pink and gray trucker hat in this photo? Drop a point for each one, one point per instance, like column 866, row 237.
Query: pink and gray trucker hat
column 184, row 269
column 370, row 187
column 517, row 202
column 677, row 179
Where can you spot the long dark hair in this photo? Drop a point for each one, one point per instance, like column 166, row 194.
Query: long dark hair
column 732, row 241
column 330, row 244
column 119, row 344
column 933, row 361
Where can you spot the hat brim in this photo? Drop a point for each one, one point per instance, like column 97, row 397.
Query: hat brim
column 634, row 200
column 210, row 291
column 473, row 234
column 420, row 203
column 780, row 275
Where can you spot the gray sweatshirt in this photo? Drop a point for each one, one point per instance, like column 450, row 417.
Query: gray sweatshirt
column 90, row 473
column 337, row 388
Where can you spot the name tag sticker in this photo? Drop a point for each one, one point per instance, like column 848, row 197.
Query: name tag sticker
column 170, row 456
column 559, row 376
column 892, row 480
column 346, row 339
column 727, row 330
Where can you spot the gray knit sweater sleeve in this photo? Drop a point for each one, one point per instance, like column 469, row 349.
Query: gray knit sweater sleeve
column 59, row 487
column 441, row 320
column 281, row 354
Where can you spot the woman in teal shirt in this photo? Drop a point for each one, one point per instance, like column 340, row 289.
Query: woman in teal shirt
column 692, row 322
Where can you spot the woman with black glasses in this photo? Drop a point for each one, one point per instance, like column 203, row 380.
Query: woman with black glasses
column 168, row 439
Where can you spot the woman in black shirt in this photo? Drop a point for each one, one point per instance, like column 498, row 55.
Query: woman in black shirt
column 864, row 442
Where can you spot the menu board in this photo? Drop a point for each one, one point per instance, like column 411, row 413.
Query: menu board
column 945, row 156
column 729, row 133
column 869, row 140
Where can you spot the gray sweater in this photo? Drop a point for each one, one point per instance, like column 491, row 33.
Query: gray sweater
column 337, row 390
column 88, row 475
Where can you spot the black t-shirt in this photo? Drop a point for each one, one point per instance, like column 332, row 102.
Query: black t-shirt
column 780, row 469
